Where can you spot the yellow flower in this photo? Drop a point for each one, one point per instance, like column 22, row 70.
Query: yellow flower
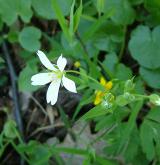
column 109, row 85
column 98, row 98
column 102, row 81
column 77, row 64
column 99, row 94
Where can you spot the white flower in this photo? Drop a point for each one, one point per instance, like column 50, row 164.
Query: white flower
column 56, row 76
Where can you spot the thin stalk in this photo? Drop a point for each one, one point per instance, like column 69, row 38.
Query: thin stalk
column 89, row 77
column 13, row 78
column 20, row 153
column 123, row 44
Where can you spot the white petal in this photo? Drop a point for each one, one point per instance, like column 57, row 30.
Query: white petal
column 41, row 78
column 45, row 61
column 61, row 63
column 52, row 92
column 69, row 84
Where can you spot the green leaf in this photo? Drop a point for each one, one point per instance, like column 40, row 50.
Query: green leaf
column 77, row 16
column 61, row 19
column 104, row 161
column 123, row 72
column 114, row 32
column 71, row 150
column 104, row 44
column 45, row 10
column 10, row 129
column 136, row 2
column 110, row 62
column 13, row 36
column 154, row 114
column 29, row 38
column 24, row 80
column 152, row 77
column 153, row 8
column 115, row 69
column 100, row 6
column 95, row 112
column 124, row 14
column 144, row 46
column 129, row 85
column 121, row 100
column 147, row 136
column 3, row 80
column 111, row 119
column 132, row 147
column 96, row 25
column 1, row 60
column 24, row 10
column 149, row 133
column 130, row 125
column 105, row 122
column 10, row 10
column 38, row 153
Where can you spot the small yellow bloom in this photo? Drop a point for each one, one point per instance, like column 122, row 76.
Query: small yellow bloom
column 77, row 64
column 98, row 98
column 99, row 94
column 109, row 85
column 102, row 81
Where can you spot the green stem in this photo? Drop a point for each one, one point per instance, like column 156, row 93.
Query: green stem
column 89, row 77
column 123, row 44
column 20, row 153
column 141, row 96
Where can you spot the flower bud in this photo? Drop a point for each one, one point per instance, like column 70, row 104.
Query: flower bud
column 155, row 99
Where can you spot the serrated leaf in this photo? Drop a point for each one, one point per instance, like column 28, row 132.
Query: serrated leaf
column 29, row 38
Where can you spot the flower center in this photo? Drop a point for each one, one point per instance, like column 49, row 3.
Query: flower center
column 57, row 74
